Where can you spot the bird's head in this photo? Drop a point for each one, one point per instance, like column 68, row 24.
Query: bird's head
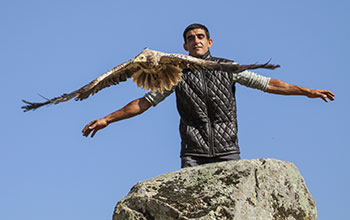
column 141, row 58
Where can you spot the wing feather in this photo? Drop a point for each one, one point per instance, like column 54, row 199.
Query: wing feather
column 171, row 75
column 147, row 81
column 153, row 82
column 136, row 75
column 185, row 61
column 181, row 60
column 112, row 77
column 141, row 79
column 165, row 79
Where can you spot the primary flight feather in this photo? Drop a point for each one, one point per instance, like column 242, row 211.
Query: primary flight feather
column 150, row 69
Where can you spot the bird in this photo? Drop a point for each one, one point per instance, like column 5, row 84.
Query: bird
column 152, row 70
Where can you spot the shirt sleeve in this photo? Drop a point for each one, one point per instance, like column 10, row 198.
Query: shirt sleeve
column 253, row 80
column 156, row 97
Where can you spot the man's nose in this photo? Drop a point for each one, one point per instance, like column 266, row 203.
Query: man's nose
column 196, row 39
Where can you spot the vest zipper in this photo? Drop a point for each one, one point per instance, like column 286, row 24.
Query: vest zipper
column 210, row 129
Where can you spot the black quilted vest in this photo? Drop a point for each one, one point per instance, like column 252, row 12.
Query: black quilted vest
column 207, row 107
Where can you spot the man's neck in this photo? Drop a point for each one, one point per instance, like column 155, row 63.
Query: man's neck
column 205, row 56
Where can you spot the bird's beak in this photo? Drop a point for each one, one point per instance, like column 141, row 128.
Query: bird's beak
column 136, row 60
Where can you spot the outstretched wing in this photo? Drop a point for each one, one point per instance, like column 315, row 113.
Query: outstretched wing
column 114, row 76
column 175, row 63
column 166, row 74
column 184, row 61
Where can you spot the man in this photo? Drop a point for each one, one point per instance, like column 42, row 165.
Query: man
column 206, row 104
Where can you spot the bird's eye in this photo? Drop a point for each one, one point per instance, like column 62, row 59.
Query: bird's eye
column 141, row 58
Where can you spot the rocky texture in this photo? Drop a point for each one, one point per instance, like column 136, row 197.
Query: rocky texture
column 244, row 189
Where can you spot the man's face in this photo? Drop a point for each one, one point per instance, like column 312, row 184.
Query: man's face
column 197, row 43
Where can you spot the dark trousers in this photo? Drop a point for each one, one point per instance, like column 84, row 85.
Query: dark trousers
column 191, row 161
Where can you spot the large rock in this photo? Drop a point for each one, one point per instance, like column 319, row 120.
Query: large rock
column 244, row 189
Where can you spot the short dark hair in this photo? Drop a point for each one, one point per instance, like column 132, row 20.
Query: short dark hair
column 196, row 26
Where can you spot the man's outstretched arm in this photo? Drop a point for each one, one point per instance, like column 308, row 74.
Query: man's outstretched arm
column 132, row 109
column 276, row 86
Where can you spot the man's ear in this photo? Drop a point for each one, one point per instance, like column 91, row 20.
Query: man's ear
column 210, row 41
column 185, row 47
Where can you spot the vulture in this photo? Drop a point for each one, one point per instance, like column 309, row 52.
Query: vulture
column 151, row 70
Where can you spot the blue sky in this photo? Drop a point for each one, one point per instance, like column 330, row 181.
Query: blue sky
column 50, row 171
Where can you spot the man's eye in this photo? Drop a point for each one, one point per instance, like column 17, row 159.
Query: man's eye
column 190, row 38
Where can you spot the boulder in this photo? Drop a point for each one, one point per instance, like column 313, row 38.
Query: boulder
column 243, row 189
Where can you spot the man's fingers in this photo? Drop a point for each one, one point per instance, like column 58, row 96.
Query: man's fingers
column 326, row 94
column 93, row 133
column 88, row 128
column 330, row 95
column 93, row 127
column 324, row 97
column 87, row 132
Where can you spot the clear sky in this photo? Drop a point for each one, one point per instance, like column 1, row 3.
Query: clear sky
column 50, row 171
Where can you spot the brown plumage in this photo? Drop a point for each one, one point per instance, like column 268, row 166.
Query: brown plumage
column 150, row 69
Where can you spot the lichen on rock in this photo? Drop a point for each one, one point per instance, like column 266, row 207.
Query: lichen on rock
column 243, row 189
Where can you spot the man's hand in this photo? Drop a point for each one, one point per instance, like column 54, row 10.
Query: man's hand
column 94, row 126
column 321, row 93
column 132, row 109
